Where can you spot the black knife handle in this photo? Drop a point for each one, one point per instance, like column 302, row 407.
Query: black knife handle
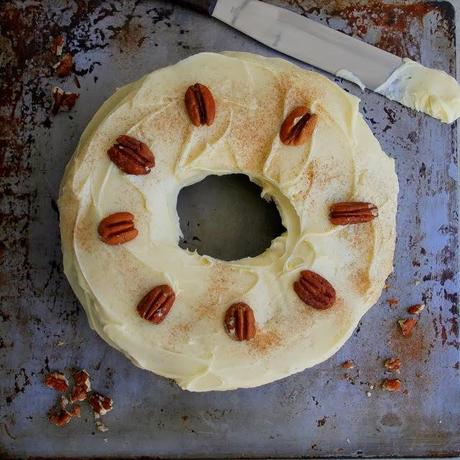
column 203, row 6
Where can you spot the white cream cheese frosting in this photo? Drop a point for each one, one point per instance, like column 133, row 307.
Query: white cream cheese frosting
column 431, row 91
column 350, row 76
column 342, row 161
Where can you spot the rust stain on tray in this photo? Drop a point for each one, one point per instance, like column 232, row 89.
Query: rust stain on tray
column 394, row 27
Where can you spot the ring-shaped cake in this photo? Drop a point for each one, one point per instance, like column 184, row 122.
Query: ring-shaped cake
column 206, row 323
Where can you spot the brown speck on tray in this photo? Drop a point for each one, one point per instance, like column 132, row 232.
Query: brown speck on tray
column 321, row 422
column 392, row 302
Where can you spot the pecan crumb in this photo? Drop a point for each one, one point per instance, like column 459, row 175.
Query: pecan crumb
column 406, row 326
column 391, row 385
column 82, row 378
column 75, row 411
column 82, row 386
column 63, row 402
column 100, row 426
column 57, row 45
column 100, row 404
column 416, row 309
column 63, row 100
column 392, row 302
column 348, row 364
column 57, row 381
column 59, row 418
column 392, row 364
column 64, row 66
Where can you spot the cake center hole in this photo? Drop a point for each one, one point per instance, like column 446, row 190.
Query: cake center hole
column 225, row 217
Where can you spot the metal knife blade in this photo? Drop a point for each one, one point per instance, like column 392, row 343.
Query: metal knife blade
column 307, row 40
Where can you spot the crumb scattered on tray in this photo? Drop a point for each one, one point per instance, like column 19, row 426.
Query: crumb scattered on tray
column 348, row 364
column 82, row 386
column 392, row 302
column 63, row 100
column 407, row 325
column 59, row 418
column 57, row 45
column 64, row 67
column 100, row 426
column 391, row 385
column 100, row 404
column 57, row 381
column 66, row 408
column 392, row 364
column 416, row 309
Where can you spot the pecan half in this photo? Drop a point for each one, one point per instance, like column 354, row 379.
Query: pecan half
column 240, row 322
column 200, row 105
column 392, row 364
column 416, row 309
column 131, row 155
column 156, row 304
column 82, row 386
column 391, row 385
column 314, row 290
column 100, row 404
column 352, row 212
column 407, row 325
column 298, row 126
column 117, row 228
column 57, row 381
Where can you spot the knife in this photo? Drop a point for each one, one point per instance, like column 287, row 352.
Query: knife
column 304, row 39
column 427, row 90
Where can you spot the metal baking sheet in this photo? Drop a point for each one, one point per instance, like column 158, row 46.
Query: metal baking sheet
column 324, row 411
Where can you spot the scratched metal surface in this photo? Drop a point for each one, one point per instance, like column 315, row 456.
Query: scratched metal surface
column 324, row 411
